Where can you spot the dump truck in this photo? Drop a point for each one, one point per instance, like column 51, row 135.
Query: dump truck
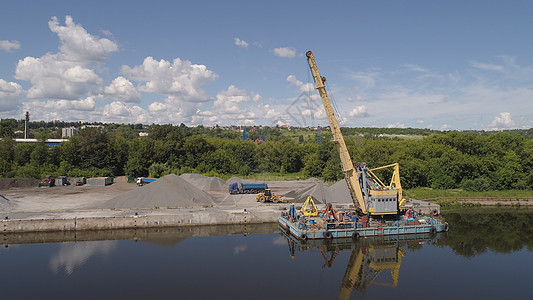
column 241, row 188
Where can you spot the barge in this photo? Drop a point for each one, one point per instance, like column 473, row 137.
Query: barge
column 332, row 224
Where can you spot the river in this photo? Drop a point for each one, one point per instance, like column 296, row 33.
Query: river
column 486, row 254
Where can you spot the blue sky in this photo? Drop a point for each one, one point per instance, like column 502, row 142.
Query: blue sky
column 446, row 65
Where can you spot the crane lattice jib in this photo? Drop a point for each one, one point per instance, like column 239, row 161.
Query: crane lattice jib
column 347, row 164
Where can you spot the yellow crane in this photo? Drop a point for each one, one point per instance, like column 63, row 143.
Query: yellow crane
column 369, row 194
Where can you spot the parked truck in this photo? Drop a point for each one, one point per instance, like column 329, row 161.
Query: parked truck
column 241, row 188
column 143, row 180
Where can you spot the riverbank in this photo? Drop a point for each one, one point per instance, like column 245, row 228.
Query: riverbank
column 172, row 201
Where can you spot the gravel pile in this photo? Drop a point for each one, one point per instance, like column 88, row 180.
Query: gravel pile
column 322, row 193
column 206, row 183
column 339, row 193
column 169, row 191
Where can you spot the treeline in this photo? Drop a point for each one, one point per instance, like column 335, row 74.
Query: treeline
column 442, row 160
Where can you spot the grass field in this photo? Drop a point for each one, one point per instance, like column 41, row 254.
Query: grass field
column 429, row 193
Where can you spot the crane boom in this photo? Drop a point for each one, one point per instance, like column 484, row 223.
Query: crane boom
column 369, row 194
column 347, row 164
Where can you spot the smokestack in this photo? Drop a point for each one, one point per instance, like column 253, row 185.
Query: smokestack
column 27, row 126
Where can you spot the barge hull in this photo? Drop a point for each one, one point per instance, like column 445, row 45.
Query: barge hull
column 294, row 229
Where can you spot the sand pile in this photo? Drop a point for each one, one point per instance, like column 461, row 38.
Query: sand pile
column 322, row 193
column 168, row 191
column 206, row 183
column 5, row 204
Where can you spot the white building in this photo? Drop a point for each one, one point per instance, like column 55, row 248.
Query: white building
column 68, row 132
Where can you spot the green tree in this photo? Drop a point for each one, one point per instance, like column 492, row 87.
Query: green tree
column 6, row 128
column 139, row 157
column 93, row 150
column 332, row 171
column 313, row 167
column 7, row 156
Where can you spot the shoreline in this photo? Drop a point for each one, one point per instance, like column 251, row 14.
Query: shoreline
column 172, row 201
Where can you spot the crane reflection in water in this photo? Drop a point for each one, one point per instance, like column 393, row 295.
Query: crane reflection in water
column 370, row 258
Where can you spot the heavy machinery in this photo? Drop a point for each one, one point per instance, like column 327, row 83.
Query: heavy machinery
column 369, row 194
column 48, row 181
column 244, row 188
column 309, row 208
column 268, row 196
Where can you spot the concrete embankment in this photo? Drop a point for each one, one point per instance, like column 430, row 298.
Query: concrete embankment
column 138, row 218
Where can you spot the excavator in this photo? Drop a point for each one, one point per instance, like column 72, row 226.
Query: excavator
column 369, row 193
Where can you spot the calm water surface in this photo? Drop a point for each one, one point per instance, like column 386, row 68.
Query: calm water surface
column 485, row 255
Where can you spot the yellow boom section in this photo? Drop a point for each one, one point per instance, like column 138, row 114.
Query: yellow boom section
column 347, row 164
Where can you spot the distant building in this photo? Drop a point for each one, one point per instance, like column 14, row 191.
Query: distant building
column 68, row 132
column 143, row 133
column 92, row 126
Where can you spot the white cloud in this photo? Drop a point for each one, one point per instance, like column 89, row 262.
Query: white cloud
column 67, row 110
column 487, row 67
column 53, row 78
column 445, row 127
column 78, row 74
column 503, row 121
column 9, row 46
column 356, row 98
column 303, row 87
column 78, row 45
column 180, row 79
column 119, row 112
column 67, row 74
column 415, row 68
column 10, row 95
column 235, row 106
column 240, row 43
column 285, row 52
column 359, row 112
column 396, row 125
column 157, row 107
column 122, row 89
column 87, row 104
column 230, row 100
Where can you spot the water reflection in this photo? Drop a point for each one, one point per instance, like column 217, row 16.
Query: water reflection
column 73, row 255
column 239, row 249
column 476, row 231
column 232, row 262
column 373, row 260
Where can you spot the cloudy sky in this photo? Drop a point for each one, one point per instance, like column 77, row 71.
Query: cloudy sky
column 456, row 65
